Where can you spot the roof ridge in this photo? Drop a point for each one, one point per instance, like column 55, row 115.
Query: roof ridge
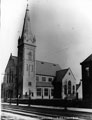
column 61, row 73
column 78, row 85
column 47, row 62
column 87, row 59
column 14, row 56
column 63, row 69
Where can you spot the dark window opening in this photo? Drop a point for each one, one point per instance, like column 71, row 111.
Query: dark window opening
column 46, row 92
column 49, row 79
column 37, row 78
column 38, row 91
column 29, row 83
column 69, row 87
column 43, row 78
column 52, row 92
column 73, row 89
column 65, row 89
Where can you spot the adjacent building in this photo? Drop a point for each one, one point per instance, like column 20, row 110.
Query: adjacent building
column 86, row 66
column 65, row 84
column 25, row 76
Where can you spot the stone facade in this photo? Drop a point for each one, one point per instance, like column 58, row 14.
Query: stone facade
column 10, row 78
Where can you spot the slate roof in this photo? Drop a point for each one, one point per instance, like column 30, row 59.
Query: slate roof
column 45, row 68
column 88, row 59
column 61, row 74
column 15, row 59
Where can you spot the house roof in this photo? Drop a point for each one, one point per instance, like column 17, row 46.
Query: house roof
column 88, row 59
column 78, row 85
column 44, row 84
column 45, row 68
column 61, row 74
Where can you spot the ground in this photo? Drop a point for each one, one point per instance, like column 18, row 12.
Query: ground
column 21, row 112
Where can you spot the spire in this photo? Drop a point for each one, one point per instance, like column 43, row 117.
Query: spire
column 27, row 7
column 26, row 32
column 27, row 4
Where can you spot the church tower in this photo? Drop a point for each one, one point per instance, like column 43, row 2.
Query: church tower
column 26, row 60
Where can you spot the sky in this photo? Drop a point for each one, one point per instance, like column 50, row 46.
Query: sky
column 63, row 31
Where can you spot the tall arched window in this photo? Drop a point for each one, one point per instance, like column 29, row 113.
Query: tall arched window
column 30, row 56
column 87, row 71
column 65, row 89
column 73, row 89
column 69, row 87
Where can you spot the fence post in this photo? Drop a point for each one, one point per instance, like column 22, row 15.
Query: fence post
column 17, row 77
column 29, row 98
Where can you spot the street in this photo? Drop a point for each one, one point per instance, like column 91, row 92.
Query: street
column 39, row 113
column 11, row 116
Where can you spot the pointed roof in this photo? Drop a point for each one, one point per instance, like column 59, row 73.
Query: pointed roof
column 26, row 32
column 78, row 85
column 13, row 60
column 88, row 59
column 60, row 74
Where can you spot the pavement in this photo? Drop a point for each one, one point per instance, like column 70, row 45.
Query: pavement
column 11, row 116
column 51, row 107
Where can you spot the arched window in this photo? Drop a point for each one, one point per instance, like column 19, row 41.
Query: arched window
column 73, row 89
column 30, row 56
column 69, row 87
column 27, row 67
column 87, row 71
column 65, row 89
column 29, row 71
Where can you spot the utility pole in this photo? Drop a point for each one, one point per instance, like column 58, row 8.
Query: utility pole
column 10, row 88
column 65, row 103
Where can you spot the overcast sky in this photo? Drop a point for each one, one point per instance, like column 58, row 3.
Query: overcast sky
column 63, row 31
